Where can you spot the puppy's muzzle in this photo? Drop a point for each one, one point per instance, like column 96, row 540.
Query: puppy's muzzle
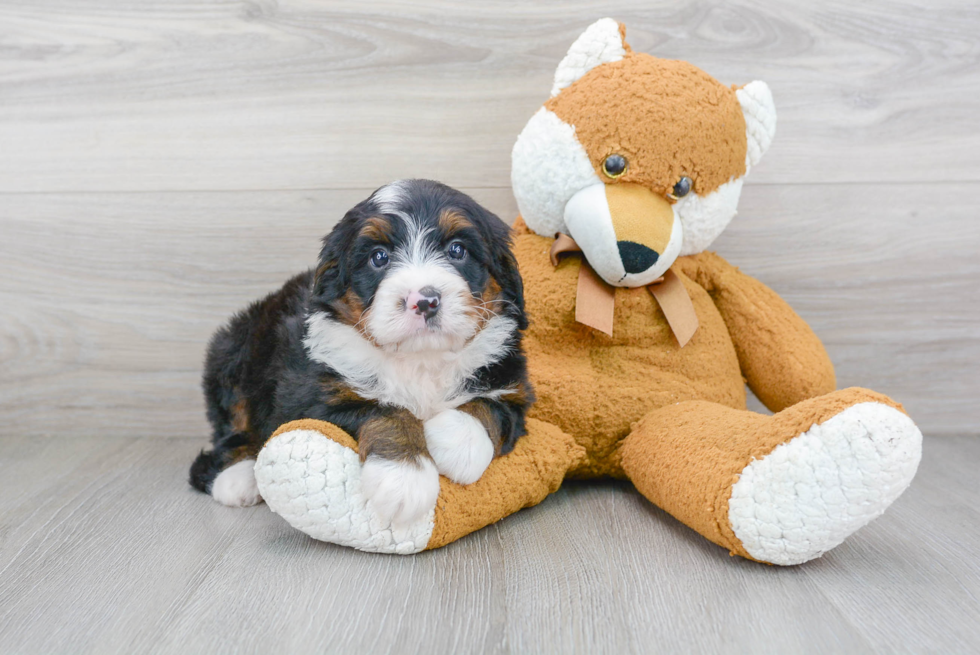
column 425, row 302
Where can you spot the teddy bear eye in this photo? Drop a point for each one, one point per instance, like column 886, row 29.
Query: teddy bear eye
column 682, row 188
column 614, row 166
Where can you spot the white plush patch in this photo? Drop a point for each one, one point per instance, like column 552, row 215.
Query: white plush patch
column 235, row 486
column 589, row 222
column 400, row 492
column 600, row 43
column 812, row 492
column 548, row 167
column 459, row 445
column 423, row 382
column 315, row 484
column 760, row 119
column 705, row 218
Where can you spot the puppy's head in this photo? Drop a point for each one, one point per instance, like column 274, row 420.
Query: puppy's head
column 418, row 266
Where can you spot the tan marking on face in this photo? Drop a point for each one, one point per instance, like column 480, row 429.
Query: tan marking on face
column 396, row 436
column 639, row 215
column 487, row 303
column 349, row 308
column 377, row 229
column 451, row 222
column 667, row 118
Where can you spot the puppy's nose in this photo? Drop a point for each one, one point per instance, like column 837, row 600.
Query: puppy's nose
column 636, row 257
column 425, row 301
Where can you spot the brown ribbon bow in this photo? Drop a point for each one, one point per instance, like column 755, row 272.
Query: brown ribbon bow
column 595, row 300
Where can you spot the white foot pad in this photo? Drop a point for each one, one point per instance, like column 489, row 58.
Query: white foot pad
column 235, row 486
column 812, row 492
column 315, row 484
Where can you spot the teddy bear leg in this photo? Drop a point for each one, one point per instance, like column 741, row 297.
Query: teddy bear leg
column 781, row 489
column 309, row 472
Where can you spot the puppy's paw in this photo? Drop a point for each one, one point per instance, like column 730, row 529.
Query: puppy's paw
column 235, row 486
column 459, row 445
column 400, row 491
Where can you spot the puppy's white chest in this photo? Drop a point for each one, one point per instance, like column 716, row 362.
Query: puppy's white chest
column 423, row 383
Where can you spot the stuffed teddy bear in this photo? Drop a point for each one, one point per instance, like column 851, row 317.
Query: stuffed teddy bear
column 641, row 341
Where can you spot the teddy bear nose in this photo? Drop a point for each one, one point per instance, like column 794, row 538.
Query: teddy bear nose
column 636, row 257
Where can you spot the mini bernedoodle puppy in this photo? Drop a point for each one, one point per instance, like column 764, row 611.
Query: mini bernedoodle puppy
column 407, row 335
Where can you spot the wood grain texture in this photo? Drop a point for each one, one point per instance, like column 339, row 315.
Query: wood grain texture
column 109, row 299
column 217, row 94
column 105, row 549
column 162, row 164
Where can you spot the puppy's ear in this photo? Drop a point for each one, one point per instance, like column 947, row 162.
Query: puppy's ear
column 332, row 276
column 503, row 265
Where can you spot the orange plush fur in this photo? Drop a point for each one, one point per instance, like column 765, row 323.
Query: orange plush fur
column 636, row 405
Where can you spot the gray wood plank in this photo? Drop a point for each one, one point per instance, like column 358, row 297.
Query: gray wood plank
column 109, row 299
column 903, row 582
column 117, row 554
column 139, row 95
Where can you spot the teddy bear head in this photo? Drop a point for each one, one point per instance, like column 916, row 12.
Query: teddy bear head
column 640, row 160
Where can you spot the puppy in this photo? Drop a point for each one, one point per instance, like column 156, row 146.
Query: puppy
column 407, row 335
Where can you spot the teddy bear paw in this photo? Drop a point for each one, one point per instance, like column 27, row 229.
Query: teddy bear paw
column 318, row 486
column 813, row 491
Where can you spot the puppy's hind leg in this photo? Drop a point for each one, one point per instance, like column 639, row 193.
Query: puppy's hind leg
column 227, row 472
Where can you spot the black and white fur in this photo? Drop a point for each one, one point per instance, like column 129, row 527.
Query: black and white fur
column 415, row 352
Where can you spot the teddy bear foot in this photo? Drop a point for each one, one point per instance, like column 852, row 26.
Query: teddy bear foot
column 813, row 491
column 312, row 478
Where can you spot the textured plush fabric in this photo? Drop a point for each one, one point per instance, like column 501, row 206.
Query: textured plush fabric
column 525, row 477
column 686, row 457
column 781, row 489
column 810, row 493
column 676, row 120
column 309, row 473
column 781, row 358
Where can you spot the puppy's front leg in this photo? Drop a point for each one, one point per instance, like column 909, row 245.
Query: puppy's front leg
column 398, row 476
column 464, row 441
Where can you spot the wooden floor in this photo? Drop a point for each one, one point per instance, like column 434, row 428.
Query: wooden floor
column 104, row 549
column 163, row 163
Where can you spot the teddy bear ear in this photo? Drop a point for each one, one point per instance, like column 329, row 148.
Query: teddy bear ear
column 604, row 41
column 760, row 119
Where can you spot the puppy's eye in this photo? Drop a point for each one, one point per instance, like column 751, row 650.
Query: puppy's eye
column 682, row 188
column 379, row 258
column 614, row 166
column 456, row 250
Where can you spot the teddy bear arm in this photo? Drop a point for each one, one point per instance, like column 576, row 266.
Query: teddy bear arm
column 781, row 358
column 526, row 476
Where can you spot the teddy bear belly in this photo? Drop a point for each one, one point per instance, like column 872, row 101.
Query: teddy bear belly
column 594, row 388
